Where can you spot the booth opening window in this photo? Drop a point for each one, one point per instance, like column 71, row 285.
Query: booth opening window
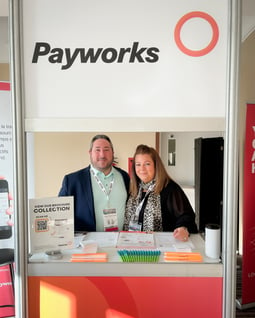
column 171, row 151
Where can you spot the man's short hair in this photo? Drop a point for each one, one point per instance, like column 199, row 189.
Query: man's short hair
column 100, row 137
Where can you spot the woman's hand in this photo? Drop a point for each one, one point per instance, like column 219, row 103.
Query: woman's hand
column 181, row 233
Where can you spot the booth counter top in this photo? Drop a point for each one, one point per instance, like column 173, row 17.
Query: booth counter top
column 42, row 265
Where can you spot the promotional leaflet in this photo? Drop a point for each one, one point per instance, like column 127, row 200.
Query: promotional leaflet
column 136, row 239
column 6, row 168
column 51, row 224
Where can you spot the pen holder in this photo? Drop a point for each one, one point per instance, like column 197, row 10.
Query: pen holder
column 212, row 241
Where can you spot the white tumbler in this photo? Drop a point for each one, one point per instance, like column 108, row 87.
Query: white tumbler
column 212, row 241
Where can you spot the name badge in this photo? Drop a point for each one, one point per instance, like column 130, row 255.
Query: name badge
column 134, row 226
column 110, row 220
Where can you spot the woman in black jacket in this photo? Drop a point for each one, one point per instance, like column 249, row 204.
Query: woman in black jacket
column 156, row 202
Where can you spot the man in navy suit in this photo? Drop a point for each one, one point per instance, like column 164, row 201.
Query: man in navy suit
column 100, row 190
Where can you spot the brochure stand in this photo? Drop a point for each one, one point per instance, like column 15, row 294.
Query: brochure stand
column 51, row 226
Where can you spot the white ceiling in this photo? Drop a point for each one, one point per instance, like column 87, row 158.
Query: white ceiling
column 248, row 7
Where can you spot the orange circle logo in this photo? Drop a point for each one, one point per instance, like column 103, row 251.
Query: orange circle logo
column 209, row 47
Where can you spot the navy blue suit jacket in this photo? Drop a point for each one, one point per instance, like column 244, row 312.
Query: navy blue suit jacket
column 78, row 184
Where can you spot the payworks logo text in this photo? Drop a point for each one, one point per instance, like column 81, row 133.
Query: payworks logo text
column 66, row 56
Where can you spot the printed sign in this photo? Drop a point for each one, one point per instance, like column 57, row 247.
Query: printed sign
column 51, row 224
column 125, row 59
column 6, row 168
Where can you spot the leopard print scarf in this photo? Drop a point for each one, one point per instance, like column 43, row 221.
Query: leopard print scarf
column 152, row 219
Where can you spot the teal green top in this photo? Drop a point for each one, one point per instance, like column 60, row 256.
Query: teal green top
column 113, row 183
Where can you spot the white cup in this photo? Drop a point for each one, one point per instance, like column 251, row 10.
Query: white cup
column 212, row 241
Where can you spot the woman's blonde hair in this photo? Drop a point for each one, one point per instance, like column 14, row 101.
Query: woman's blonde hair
column 161, row 176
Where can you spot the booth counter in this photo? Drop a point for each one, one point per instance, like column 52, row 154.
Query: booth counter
column 61, row 288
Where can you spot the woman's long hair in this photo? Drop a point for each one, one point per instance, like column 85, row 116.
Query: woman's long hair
column 162, row 178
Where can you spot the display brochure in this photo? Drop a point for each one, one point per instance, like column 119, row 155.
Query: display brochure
column 165, row 241
column 103, row 239
column 135, row 239
column 51, row 224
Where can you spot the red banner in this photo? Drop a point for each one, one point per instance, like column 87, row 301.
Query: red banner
column 5, row 86
column 248, row 273
column 6, row 293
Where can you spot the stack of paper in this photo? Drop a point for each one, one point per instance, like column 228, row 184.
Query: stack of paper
column 89, row 257
column 182, row 257
column 103, row 239
column 135, row 240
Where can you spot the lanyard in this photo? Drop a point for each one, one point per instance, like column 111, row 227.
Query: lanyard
column 140, row 205
column 101, row 186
